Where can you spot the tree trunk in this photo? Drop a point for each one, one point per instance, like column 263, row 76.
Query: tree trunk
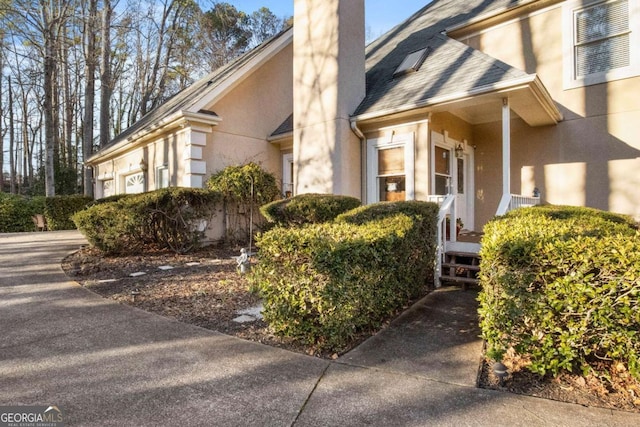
column 2, row 132
column 89, row 97
column 49, row 101
column 105, row 74
column 12, row 138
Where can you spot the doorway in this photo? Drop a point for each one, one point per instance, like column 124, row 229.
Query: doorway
column 452, row 173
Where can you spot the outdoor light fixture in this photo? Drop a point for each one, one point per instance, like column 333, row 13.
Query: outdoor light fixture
column 459, row 151
column 134, row 294
column 500, row 371
column 143, row 165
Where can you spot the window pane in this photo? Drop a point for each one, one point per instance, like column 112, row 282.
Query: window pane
column 601, row 21
column 391, row 161
column 163, row 177
column 107, row 188
column 460, row 176
column 392, row 188
column 442, row 185
column 134, row 183
column 442, row 161
column 602, row 55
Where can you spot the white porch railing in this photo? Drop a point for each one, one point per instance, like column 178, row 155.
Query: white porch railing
column 447, row 209
column 510, row 202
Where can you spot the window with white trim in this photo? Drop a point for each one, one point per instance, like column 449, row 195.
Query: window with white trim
column 134, row 183
column 603, row 41
column 162, row 177
column 107, row 188
column 390, row 168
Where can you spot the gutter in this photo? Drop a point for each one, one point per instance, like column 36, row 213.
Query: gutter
column 177, row 119
column 527, row 81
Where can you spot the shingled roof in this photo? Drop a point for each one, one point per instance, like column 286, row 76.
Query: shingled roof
column 187, row 99
column 450, row 67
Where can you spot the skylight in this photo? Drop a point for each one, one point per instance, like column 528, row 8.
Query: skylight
column 412, row 62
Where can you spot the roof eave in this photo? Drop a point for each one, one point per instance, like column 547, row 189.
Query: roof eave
column 275, row 139
column 165, row 125
column 531, row 81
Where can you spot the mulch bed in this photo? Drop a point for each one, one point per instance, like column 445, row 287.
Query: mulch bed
column 205, row 288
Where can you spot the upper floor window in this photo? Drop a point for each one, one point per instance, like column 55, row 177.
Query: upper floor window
column 600, row 46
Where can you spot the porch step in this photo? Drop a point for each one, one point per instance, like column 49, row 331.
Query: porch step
column 466, row 266
column 460, row 267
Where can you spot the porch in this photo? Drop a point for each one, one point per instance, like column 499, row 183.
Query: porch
column 458, row 251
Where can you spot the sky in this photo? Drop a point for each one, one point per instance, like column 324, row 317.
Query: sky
column 380, row 15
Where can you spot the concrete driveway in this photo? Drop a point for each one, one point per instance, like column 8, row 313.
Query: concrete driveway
column 105, row 364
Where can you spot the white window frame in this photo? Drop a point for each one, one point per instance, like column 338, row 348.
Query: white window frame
column 405, row 140
column 572, row 81
column 287, row 175
column 108, row 182
column 144, row 182
column 159, row 172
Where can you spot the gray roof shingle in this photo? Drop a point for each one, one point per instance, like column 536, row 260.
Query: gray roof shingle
column 450, row 68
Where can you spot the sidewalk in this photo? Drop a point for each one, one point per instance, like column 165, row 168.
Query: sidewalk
column 107, row 364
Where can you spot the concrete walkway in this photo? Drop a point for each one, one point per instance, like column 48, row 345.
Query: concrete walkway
column 106, row 364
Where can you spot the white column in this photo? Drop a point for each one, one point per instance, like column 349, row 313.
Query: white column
column 195, row 167
column 506, row 148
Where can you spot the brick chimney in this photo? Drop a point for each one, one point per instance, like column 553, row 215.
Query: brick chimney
column 329, row 83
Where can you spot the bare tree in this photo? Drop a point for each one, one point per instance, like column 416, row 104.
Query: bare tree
column 105, row 72
column 89, row 92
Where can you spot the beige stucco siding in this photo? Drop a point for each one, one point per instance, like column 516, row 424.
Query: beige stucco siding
column 590, row 158
column 250, row 113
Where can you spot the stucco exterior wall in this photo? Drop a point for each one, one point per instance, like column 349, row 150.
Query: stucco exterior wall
column 329, row 64
column 250, row 113
column 591, row 158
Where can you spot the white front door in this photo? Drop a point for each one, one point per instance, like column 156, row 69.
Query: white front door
column 452, row 173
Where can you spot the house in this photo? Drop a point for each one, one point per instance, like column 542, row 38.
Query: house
column 485, row 103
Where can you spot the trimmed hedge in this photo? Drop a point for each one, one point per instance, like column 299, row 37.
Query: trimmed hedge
column 58, row 210
column 561, row 286
column 173, row 218
column 308, row 209
column 16, row 212
column 323, row 284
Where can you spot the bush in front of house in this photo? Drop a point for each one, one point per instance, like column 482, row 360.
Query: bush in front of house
column 561, row 286
column 171, row 218
column 308, row 209
column 58, row 210
column 244, row 189
column 323, row 284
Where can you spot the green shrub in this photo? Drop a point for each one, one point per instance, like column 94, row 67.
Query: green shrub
column 244, row 189
column 323, row 284
column 58, row 211
column 561, row 286
column 16, row 212
column 110, row 227
column 308, row 209
column 173, row 218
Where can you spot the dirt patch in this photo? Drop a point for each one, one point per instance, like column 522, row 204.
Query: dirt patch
column 614, row 388
column 205, row 289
